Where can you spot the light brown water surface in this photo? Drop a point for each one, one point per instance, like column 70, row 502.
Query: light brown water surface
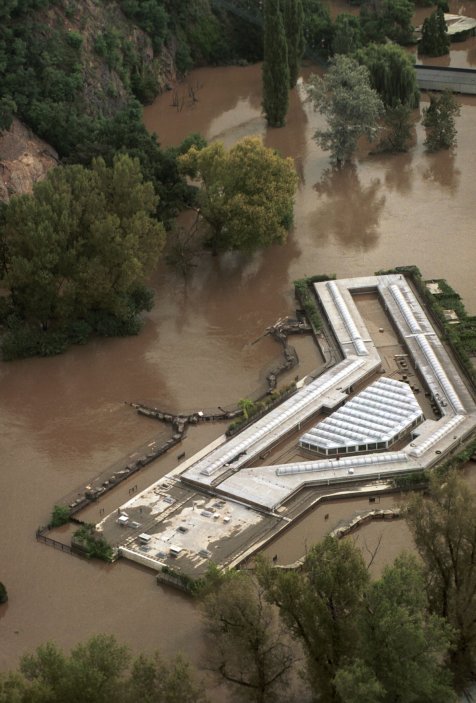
column 64, row 419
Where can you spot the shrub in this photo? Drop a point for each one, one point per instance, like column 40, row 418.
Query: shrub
column 3, row 593
column 93, row 546
column 59, row 516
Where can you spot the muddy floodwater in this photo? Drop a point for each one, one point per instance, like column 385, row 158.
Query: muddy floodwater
column 64, row 419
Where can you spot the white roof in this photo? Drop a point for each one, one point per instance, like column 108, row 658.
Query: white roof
column 377, row 414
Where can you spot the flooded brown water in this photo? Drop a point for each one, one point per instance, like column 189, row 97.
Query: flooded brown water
column 64, row 419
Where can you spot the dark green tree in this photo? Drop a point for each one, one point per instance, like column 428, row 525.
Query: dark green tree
column 347, row 35
column 293, row 15
column 439, row 121
column 78, row 251
column 444, row 529
column 155, row 680
column 60, row 515
column 392, row 74
column 98, row 672
column 320, row 605
column 435, row 40
column 402, row 644
column 275, row 66
column 8, row 108
column 248, row 648
column 398, row 126
column 3, row 593
column 388, row 19
column 318, row 28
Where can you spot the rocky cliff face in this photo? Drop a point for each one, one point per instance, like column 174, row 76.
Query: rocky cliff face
column 24, row 159
column 108, row 81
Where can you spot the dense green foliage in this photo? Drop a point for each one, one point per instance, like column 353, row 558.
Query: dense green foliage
column 350, row 105
column 435, row 40
column 246, row 194
column 3, row 594
column 373, row 638
column 439, row 121
column 248, row 647
column 77, row 253
column 389, row 19
column 99, row 671
column 293, row 16
column 392, row 74
column 149, row 15
column 347, row 34
column 41, row 73
column 397, row 127
column 463, row 334
column 306, row 297
column 444, row 529
column 89, row 542
column 60, row 515
column 276, row 75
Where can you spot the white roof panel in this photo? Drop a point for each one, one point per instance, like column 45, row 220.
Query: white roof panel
column 377, row 414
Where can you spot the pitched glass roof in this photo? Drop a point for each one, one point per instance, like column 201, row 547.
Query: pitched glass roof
column 377, row 414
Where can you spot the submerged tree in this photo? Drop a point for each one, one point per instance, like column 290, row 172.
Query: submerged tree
column 398, row 127
column 347, row 35
column 387, row 19
column 248, row 647
column 275, row 66
column 320, row 605
column 363, row 641
column 444, row 529
column 435, row 40
column 349, row 104
column 439, row 121
column 246, row 194
column 98, row 671
column 318, row 29
column 294, row 29
column 402, row 644
column 79, row 249
column 392, row 74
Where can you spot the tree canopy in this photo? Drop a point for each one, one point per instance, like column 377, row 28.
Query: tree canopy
column 435, row 40
column 392, row 74
column 248, row 647
column 276, row 76
column 350, row 105
column 444, row 529
column 439, row 121
column 388, row 19
column 347, row 34
column 78, row 251
column 245, row 198
column 293, row 14
column 363, row 640
column 99, row 671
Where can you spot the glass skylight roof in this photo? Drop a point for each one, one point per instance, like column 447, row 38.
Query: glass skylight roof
column 376, row 415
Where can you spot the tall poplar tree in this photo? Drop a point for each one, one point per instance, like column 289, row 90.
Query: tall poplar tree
column 275, row 66
column 294, row 27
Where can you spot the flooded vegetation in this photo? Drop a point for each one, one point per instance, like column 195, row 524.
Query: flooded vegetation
column 64, row 419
